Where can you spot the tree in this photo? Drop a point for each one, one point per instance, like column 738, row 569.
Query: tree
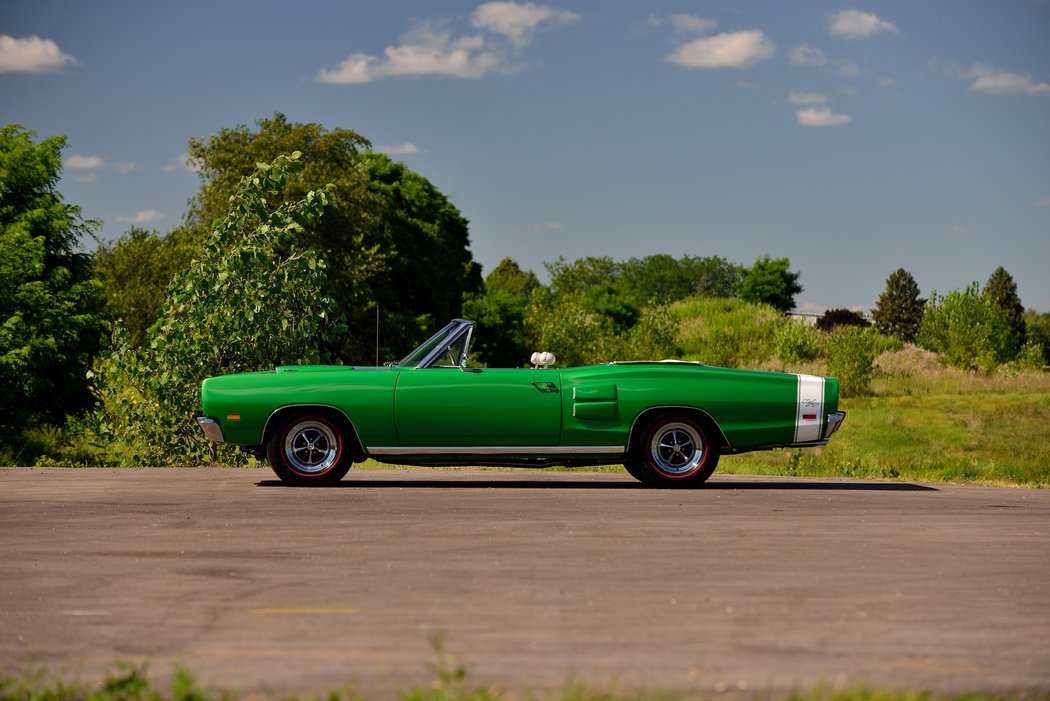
column 135, row 271
column 834, row 318
column 500, row 310
column 389, row 237
column 1002, row 290
column 1038, row 328
column 770, row 281
column 50, row 321
column 254, row 299
column 898, row 311
column 968, row 329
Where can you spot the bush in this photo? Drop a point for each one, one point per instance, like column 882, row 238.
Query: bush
column 851, row 354
column 726, row 332
column 796, row 341
column 968, row 329
column 252, row 301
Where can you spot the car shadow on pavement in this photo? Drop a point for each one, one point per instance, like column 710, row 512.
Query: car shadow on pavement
column 787, row 484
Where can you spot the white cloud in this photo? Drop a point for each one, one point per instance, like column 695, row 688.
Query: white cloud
column 887, row 82
column 77, row 162
column 399, row 149
column 731, row 50
column 807, row 98
column 517, row 21
column 992, row 80
column 181, row 162
column 32, row 55
column 123, row 167
column 425, row 52
column 855, row 24
column 821, row 117
column 431, row 50
column 144, row 217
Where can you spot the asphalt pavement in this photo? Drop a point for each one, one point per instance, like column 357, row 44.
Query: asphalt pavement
column 530, row 580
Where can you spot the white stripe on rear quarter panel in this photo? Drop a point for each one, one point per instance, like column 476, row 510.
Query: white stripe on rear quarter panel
column 810, row 403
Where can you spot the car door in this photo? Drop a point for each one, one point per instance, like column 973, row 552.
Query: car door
column 478, row 407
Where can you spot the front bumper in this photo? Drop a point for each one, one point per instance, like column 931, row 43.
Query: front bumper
column 212, row 429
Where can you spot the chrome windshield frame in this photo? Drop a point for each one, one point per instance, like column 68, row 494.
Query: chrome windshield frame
column 439, row 344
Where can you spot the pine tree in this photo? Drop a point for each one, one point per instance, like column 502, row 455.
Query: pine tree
column 899, row 309
column 1002, row 290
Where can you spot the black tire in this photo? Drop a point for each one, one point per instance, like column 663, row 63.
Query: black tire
column 309, row 449
column 674, row 451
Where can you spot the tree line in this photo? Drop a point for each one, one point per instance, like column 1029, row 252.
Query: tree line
column 288, row 258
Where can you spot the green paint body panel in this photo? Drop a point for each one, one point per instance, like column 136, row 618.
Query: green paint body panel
column 593, row 406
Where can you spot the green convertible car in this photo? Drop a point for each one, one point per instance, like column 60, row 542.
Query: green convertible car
column 668, row 422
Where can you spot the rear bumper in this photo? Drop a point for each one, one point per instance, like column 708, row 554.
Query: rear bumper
column 212, row 429
column 834, row 421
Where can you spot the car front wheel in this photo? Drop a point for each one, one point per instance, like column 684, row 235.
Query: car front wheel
column 675, row 451
column 309, row 449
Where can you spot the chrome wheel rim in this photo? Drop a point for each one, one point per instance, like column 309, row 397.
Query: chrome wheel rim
column 676, row 449
column 311, row 447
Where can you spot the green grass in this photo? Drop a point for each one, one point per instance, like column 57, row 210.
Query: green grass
column 130, row 683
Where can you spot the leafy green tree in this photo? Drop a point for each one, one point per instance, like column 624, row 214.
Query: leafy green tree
column 1038, row 327
column 50, row 321
column 770, row 281
column 582, row 275
column 389, row 237
column 1002, row 290
column 968, row 329
column 500, row 311
column 135, row 271
column 429, row 266
column 711, row 276
column 254, row 299
column 851, row 354
column 898, row 312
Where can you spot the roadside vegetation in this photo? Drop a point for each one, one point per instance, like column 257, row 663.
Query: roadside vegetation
column 130, row 683
column 301, row 242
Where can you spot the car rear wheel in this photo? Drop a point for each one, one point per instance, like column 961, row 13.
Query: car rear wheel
column 309, row 449
column 675, row 451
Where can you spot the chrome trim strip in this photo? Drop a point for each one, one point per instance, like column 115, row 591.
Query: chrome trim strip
column 212, row 429
column 498, row 450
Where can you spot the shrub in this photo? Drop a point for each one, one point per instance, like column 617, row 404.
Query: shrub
column 851, row 354
column 796, row 341
column 968, row 329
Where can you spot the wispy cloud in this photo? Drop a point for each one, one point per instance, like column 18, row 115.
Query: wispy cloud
column 123, row 167
column 78, row 162
column 399, row 149
column 144, row 217
column 821, row 117
column 741, row 49
column 546, row 226
column 517, row 21
column 806, row 55
column 856, row 24
column 32, row 55
column 692, row 24
column 432, row 50
column 1045, row 202
column 993, row 80
column 807, row 98
column 181, row 162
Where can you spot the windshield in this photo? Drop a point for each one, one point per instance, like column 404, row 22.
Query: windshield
column 416, row 356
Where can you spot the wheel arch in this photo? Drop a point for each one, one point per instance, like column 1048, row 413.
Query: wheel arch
column 705, row 419
column 279, row 416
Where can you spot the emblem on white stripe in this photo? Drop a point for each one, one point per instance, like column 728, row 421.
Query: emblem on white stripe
column 808, row 419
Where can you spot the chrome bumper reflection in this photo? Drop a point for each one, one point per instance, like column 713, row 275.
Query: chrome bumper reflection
column 211, row 429
column 834, row 421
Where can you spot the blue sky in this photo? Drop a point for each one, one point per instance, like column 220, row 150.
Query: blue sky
column 853, row 138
